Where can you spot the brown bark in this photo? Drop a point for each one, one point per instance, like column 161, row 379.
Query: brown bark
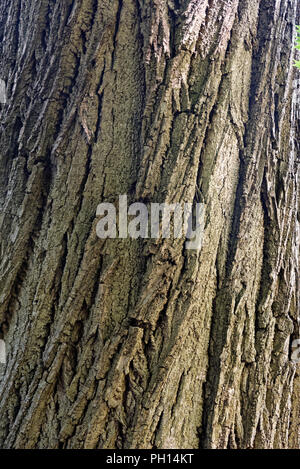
column 142, row 344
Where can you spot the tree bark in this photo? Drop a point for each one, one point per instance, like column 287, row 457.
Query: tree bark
column 125, row 343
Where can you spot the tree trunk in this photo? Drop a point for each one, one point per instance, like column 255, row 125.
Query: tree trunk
column 124, row 343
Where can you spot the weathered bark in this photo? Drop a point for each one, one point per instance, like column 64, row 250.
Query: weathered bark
column 139, row 344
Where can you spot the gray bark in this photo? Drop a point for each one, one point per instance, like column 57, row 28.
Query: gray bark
column 143, row 344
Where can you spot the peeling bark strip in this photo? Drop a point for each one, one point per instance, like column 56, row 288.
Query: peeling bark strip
column 123, row 343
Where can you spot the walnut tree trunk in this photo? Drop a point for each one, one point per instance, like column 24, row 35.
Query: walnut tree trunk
column 141, row 343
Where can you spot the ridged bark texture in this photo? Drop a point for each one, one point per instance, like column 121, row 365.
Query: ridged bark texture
column 127, row 343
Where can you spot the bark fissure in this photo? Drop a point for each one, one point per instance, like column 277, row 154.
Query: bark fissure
column 123, row 343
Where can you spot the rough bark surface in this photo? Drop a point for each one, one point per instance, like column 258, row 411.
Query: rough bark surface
column 142, row 343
